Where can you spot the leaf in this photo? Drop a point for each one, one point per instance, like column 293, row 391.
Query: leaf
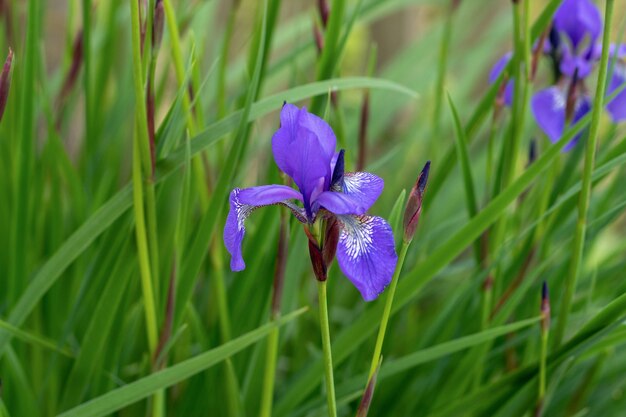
column 135, row 391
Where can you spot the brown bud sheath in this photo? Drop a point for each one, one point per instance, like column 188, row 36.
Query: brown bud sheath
column 157, row 26
column 324, row 10
column 330, row 241
column 5, row 82
column 366, row 400
column 414, row 204
column 317, row 258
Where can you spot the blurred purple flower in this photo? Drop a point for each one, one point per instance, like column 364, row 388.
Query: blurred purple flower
column 549, row 107
column 576, row 28
column 617, row 106
column 304, row 149
column 495, row 72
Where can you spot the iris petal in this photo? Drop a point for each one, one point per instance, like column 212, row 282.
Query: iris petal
column 617, row 106
column 304, row 154
column 366, row 253
column 242, row 203
column 549, row 110
column 578, row 19
column 495, row 72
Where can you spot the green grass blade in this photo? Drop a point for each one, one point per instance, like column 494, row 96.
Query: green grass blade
column 138, row 390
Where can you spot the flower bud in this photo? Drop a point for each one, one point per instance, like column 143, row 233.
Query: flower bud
column 545, row 307
column 414, row 204
column 5, row 82
column 324, row 10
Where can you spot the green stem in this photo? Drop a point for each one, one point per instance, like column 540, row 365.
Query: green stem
column 270, row 373
column 328, row 358
column 142, row 248
column 441, row 78
column 387, row 311
column 585, row 192
column 542, row 366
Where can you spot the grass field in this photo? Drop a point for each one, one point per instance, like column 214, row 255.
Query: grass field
column 126, row 124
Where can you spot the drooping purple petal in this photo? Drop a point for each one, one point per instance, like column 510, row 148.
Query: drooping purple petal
column 304, row 154
column 549, row 110
column 548, row 107
column 495, row 72
column 242, row 203
column 617, row 106
column 579, row 19
column 366, row 253
column 354, row 194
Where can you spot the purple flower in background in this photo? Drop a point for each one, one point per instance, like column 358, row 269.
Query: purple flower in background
column 576, row 28
column 617, row 106
column 304, row 149
column 574, row 48
column 550, row 108
column 495, row 73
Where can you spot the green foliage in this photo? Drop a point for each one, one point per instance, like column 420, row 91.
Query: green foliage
column 73, row 309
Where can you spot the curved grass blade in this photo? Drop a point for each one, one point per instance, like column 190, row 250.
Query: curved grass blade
column 135, row 391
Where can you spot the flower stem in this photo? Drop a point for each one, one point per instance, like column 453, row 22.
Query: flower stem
column 270, row 372
column 585, row 192
column 328, row 359
column 387, row 311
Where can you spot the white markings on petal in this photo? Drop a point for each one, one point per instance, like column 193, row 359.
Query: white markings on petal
column 558, row 99
column 356, row 235
column 241, row 210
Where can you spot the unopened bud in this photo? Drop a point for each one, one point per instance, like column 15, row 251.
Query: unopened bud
column 414, row 204
column 157, row 26
column 324, row 11
column 545, row 307
column 5, row 82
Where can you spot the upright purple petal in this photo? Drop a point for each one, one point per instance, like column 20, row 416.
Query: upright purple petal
column 304, row 147
column 617, row 106
column 242, row 203
column 495, row 72
column 366, row 253
column 579, row 19
column 548, row 107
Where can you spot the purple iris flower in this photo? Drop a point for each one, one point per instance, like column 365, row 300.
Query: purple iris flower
column 617, row 106
column 574, row 49
column 576, row 29
column 304, row 149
